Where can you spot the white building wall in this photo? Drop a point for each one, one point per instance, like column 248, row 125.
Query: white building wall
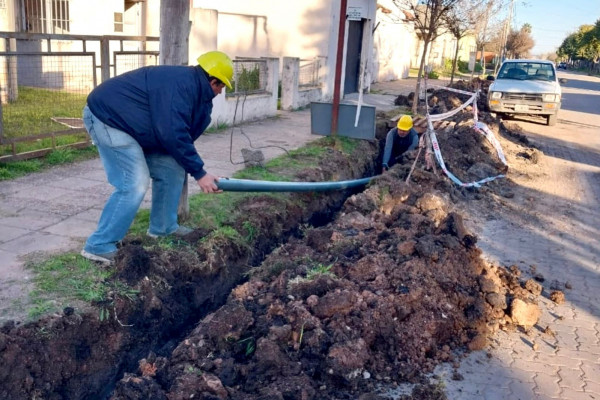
column 274, row 28
column 93, row 17
column 394, row 44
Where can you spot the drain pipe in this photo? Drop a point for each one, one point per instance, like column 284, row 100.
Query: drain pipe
column 247, row 185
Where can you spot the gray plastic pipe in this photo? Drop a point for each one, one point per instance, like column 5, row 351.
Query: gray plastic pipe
column 247, row 185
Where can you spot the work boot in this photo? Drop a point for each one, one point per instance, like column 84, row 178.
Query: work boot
column 180, row 232
column 105, row 258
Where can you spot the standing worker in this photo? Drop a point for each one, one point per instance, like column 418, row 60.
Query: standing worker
column 399, row 140
column 144, row 124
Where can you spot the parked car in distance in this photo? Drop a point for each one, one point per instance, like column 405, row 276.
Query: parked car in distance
column 562, row 65
column 529, row 87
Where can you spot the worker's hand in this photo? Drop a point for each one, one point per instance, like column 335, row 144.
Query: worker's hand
column 208, row 184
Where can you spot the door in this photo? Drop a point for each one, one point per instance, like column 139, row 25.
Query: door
column 353, row 50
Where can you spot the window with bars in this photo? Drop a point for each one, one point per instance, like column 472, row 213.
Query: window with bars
column 46, row 16
column 2, row 4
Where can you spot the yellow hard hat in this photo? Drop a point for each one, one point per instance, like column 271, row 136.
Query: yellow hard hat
column 219, row 65
column 405, row 123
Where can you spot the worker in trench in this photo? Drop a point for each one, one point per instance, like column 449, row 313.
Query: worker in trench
column 400, row 142
column 144, row 124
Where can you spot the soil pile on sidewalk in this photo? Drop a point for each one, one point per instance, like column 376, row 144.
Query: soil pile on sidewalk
column 390, row 288
column 383, row 294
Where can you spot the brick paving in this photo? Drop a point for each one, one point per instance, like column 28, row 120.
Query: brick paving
column 564, row 246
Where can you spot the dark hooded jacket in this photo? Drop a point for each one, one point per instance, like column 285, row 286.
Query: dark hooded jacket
column 165, row 108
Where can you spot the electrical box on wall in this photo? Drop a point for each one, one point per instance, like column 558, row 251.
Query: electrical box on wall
column 320, row 120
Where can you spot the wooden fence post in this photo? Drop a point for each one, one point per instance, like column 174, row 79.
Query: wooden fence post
column 175, row 27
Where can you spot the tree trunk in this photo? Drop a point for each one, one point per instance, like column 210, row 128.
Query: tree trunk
column 482, row 60
column 454, row 62
column 421, row 68
column 174, row 32
column 175, row 27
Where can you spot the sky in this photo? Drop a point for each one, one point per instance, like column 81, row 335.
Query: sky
column 553, row 20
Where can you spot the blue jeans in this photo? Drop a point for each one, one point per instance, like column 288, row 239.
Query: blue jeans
column 129, row 170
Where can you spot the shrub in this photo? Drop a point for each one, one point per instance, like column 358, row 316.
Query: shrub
column 433, row 75
column 248, row 80
column 463, row 66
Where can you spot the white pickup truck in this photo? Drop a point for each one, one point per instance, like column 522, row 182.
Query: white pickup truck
column 526, row 87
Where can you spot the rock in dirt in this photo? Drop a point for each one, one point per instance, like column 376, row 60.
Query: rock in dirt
column 557, row 296
column 525, row 314
column 534, row 287
column 496, row 300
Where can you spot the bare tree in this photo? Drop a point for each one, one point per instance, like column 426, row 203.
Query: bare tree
column 427, row 17
column 460, row 21
column 486, row 24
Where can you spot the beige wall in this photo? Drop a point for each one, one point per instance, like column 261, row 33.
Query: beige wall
column 7, row 17
column 272, row 27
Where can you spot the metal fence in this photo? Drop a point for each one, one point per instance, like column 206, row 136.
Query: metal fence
column 45, row 80
column 125, row 61
column 309, row 74
column 249, row 75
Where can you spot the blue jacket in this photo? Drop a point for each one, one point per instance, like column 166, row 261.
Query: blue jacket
column 165, row 108
column 395, row 145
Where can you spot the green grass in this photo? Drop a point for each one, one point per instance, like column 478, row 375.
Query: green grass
column 217, row 127
column 67, row 278
column 31, row 113
column 15, row 169
column 319, row 270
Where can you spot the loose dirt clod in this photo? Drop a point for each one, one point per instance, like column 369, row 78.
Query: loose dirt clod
column 557, row 296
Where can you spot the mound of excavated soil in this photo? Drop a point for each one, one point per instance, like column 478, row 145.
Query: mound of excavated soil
column 390, row 288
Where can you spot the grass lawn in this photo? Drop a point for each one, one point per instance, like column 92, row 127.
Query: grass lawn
column 31, row 114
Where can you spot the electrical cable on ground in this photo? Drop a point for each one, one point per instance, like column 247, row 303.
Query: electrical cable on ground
column 244, row 134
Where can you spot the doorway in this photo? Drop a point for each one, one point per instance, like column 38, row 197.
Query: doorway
column 353, row 52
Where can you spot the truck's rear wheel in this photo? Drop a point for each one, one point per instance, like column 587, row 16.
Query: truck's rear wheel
column 551, row 119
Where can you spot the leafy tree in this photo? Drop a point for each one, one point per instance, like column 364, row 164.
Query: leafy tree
column 582, row 45
column 568, row 48
column 590, row 41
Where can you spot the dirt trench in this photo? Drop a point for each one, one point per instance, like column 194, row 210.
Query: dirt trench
column 78, row 356
column 384, row 292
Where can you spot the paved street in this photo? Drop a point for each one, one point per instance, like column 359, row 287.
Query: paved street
column 564, row 247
